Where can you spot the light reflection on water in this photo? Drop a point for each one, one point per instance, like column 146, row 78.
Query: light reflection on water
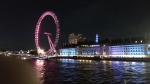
column 39, row 67
column 62, row 71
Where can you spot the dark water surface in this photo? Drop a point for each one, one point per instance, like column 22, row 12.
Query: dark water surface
column 69, row 71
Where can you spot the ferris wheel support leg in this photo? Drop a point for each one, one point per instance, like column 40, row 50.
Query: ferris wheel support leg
column 52, row 48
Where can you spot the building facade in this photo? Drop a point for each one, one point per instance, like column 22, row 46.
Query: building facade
column 75, row 38
column 135, row 50
column 125, row 51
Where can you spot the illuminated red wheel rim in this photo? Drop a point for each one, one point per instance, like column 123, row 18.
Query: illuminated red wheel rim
column 48, row 13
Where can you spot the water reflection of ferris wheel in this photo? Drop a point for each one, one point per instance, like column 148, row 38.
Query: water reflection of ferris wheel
column 52, row 44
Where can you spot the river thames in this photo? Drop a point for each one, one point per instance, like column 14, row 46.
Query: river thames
column 70, row 71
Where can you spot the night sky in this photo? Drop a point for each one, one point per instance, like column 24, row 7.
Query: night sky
column 109, row 18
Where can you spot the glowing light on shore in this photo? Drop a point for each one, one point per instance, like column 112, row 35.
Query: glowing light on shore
column 40, row 51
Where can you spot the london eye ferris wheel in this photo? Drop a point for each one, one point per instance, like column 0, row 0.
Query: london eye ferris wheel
column 52, row 44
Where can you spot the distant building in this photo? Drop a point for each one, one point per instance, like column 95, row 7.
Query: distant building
column 78, row 50
column 137, row 47
column 75, row 38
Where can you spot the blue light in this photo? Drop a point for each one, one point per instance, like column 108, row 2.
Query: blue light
column 96, row 40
